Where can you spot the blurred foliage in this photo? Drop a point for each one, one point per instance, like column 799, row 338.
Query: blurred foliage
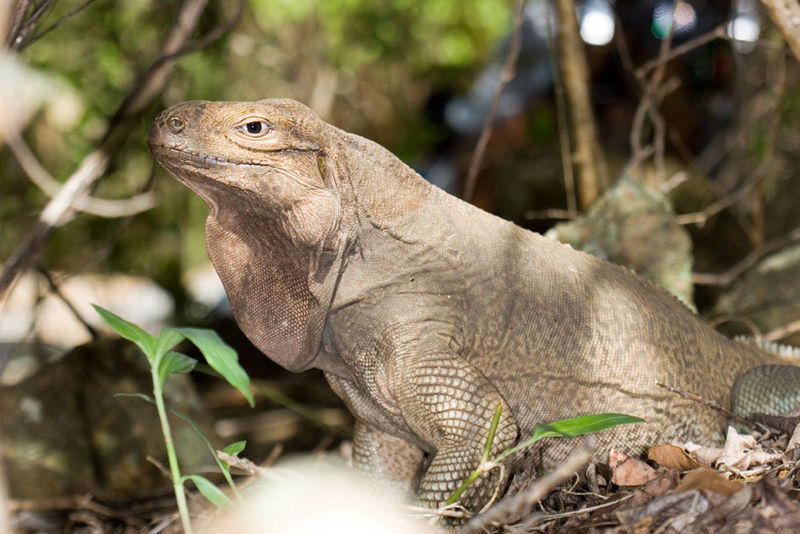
column 370, row 67
column 382, row 69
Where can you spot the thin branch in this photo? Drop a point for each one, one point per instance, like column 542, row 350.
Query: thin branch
column 553, row 213
column 110, row 209
column 16, row 22
column 53, row 26
column 717, row 33
column 725, row 279
column 783, row 332
column 15, row 39
column 532, row 494
column 506, row 75
column 57, row 291
column 710, row 404
column 785, row 14
column 588, row 509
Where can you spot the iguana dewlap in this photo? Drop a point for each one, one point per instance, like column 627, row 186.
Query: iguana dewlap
column 425, row 312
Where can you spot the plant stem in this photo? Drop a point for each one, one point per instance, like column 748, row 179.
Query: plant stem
column 174, row 468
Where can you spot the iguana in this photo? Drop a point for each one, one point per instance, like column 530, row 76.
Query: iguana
column 425, row 312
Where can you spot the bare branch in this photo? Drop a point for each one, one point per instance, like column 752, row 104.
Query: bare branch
column 785, row 15
column 57, row 291
column 506, row 75
column 783, row 332
column 563, row 123
column 109, row 209
column 710, row 403
column 725, row 279
column 53, row 26
column 688, row 46
column 534, row 493
column 588, row 158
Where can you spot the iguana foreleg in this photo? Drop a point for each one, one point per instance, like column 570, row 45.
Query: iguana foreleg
column 450, row 404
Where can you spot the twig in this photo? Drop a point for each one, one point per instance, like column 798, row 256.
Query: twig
column 648, row 108
column 95, row 206
column 691, row 44
column 588, row 509
column 454, row 510
column 22, row 27
column 725, row 279
column 785, row 14
column 56, row 24
column 158, row 465
column 506, row 75
column 709, row 403
column 755, row 331
column 57, row 291
column 533, row 494
column 69, row 503
column 16, row 22
column 783, row 331
column 552, row 213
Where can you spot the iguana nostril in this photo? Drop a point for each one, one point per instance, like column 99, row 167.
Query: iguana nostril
column 176, row 125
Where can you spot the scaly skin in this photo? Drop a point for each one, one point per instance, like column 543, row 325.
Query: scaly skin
column 425, row 312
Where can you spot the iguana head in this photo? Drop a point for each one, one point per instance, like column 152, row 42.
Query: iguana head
column 273, row 230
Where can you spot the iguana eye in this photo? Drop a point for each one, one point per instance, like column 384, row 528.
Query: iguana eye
column 255, row 128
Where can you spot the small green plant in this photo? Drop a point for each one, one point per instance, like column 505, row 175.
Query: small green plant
column 574, row 426
column 165, row 361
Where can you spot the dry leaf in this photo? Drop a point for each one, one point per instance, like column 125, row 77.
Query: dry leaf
column 672, row 457
column 704, row 455
column 709, row 479
column 628, row 471
column 794, row 441
column 742, row 452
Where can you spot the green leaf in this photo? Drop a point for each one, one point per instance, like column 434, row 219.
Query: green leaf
column 235, row 448
column 144, row 340
column 210, row 491
column 167, row 340
column 221, row 357
column 585, row 424
column 575, row 426
column 174, row 362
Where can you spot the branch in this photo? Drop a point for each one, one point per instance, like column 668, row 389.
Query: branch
column 532, row 494
column 783, row 332
column 38, row 35
column 588, row 158
column 563, row 124
column 59, row 210
column 785, row 15
column 725, row 279
column 506, row 75
column 109, row 209
column 710, row 403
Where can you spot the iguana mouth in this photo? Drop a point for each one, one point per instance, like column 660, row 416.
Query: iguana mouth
column 170, row 153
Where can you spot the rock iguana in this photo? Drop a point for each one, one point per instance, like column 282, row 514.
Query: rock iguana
column 425, row 312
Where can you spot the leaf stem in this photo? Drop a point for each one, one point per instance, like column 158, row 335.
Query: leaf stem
column 174, row 468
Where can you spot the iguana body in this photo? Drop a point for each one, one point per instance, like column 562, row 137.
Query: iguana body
column 425, row 312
